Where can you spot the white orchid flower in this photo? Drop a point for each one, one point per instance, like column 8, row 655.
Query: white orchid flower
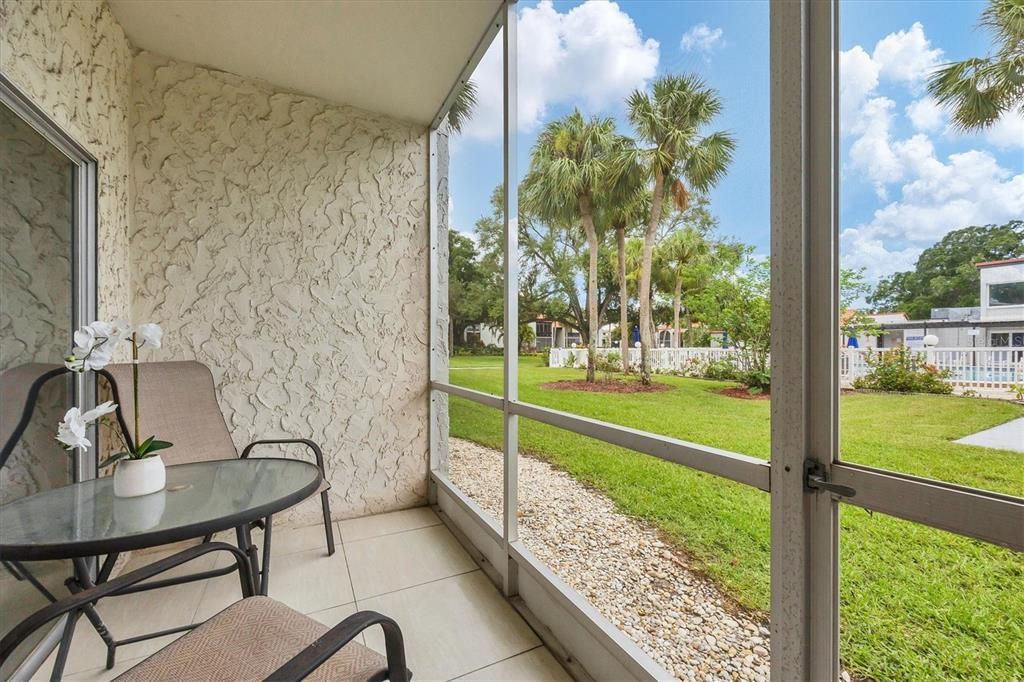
column 71, row 430
column 120, row 331
column 95, row 344
column 149, row 334
column 98, row 411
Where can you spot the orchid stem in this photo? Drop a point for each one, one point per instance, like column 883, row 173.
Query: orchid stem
column 135, row 387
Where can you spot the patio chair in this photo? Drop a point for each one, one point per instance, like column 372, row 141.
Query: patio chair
column 256, row 638
column 20, row 390
column 181, row 406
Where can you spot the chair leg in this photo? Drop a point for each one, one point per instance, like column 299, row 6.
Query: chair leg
column 328, row 526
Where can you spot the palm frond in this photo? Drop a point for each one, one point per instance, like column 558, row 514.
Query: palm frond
column 978, row 91
column 461, row 110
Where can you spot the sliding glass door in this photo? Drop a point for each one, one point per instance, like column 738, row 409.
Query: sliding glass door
column 46, row 291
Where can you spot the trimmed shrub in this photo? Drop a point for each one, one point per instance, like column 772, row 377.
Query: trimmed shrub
column 721, row 370
column 902, row 370
column 608, row 364
column 756, row 380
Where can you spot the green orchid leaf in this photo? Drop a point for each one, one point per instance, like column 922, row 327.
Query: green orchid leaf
column 144, row 448
column 113, row 459
column 158, row 445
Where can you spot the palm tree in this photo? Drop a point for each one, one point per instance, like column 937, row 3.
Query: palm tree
column 669, row 120
column 676, row 256
column 626, row 203
column 462, row 107
column 568, row 167
column 981, row 89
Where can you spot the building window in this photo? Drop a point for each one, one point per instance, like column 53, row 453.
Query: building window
column 1000, row 340
column 1008, row 293
column 543, row 330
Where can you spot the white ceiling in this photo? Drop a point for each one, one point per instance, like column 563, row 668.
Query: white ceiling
column 396, row 57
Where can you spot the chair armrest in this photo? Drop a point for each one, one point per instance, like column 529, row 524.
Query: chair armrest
column 310, row 658
column 317, row 452
column 40, row 618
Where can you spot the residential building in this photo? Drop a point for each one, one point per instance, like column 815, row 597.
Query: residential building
column 997, row 323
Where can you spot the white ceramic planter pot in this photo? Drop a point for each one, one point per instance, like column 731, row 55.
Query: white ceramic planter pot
column 135, row 477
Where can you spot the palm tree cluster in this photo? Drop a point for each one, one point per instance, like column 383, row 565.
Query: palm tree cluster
column 586, row 175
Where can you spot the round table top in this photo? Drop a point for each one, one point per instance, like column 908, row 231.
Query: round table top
column 85, row 519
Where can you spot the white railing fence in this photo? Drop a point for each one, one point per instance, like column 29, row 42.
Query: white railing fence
column 968, row 367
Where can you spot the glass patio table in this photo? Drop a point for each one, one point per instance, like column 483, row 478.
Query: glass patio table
column 85, row 520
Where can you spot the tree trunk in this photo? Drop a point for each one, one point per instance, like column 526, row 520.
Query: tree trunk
column 646, row 319
column 623, row 300
column 586, row 213
column 677, row 297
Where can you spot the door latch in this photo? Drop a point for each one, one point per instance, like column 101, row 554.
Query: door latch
column 816, row 479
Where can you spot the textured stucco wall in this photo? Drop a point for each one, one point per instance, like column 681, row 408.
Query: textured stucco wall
column 282, row 241
column 72, row 58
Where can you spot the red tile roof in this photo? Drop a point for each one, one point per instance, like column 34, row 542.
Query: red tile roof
column 1008, row 261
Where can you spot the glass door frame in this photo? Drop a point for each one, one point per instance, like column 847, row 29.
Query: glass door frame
column 84, row 248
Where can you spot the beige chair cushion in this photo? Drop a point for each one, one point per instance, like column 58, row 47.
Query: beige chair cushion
column 178, row 403
column 247, row 641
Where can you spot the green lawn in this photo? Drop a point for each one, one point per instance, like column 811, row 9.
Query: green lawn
column 917, row 603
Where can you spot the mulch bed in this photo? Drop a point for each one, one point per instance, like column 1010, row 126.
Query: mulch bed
column 742, row 393
column 603, row 386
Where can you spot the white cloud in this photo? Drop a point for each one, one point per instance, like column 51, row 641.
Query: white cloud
column 701, row 38
column 1008, row 131
column 873, row 153
column 858, row 77
column 925, row 114
column 934, row 195
column 970, row 188
column 593, row 54
column 903, row 57
column 906, row 56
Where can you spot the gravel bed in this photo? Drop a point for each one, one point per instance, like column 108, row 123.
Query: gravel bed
column 622, row 567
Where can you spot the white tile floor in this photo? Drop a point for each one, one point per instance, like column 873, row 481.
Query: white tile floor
column 404, row 564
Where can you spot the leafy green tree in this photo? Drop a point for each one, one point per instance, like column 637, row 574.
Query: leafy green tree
column 569, row 165
column 474, row 288
column 945, row 274
column 979, row 90
column 854, row 322
column 674, row 259
column 740, row 305
column 681, row 254
column 554, row 259
column 724, row 258
column 669, row 121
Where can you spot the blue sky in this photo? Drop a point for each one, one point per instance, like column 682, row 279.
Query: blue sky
column 907, row 179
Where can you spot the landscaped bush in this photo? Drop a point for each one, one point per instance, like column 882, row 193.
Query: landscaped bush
column 608, row 364
column 902, row 370
column 478, row 349
column 756, row 380
column 721, row 370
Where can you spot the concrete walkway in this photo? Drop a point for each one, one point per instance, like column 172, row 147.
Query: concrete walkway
column 1008, row 436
